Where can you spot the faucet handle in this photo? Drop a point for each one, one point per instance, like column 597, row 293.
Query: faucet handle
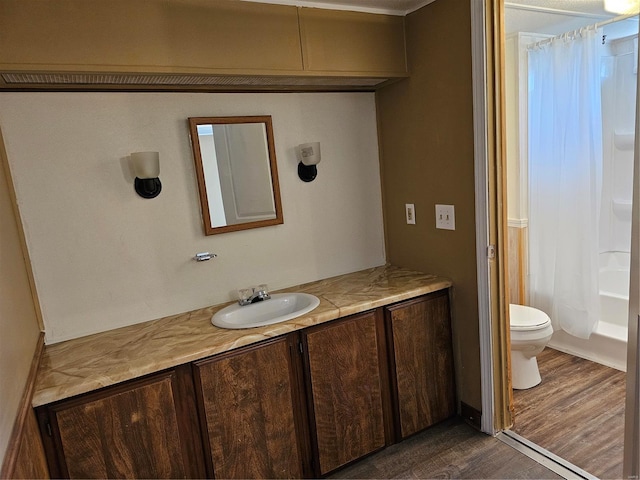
column 244, row 295
column 247, row 296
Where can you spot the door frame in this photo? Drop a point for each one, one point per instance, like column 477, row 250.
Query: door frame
column 490, row 194
column 631, row 464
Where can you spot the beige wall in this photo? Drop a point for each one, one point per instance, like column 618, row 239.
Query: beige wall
column 103, row 257
column 19, row 331
column 426, row 144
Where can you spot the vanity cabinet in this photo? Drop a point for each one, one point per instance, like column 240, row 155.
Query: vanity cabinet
column 421, row 359
column 300, row 405
column 348, row 387
column 252, row 413
column 141, row 429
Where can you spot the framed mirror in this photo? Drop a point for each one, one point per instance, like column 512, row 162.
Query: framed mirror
column 237, row 174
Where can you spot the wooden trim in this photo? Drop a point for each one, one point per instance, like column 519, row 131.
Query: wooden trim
column 385, row 378
column 4, row 159
column 297, row 84
column 311, row 411
column 203, row 427
column 50, row 446
column 300, row 414
column 405, row 303
column 184, row 397
column 517, row 263
column 198, row 81
column 522, row 264
column 393, row 380
column 500, row 292
column 497, row 398
column 12, row 456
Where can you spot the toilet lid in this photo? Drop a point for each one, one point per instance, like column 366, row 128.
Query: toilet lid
column 527, row 318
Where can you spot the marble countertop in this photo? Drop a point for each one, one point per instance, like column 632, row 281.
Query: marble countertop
column 88, row 363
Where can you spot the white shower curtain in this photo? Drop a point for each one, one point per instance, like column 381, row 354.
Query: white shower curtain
column 565, row 171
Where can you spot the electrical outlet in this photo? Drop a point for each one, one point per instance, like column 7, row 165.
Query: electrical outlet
column 410, row 210
column 445, row 217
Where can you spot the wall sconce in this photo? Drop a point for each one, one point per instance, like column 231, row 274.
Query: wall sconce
column 308, row 157
column 622, row 6
column 146, row 167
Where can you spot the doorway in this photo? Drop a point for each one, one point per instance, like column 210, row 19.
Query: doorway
column 519, row 289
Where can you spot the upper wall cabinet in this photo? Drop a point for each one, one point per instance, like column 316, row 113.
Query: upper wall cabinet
column 194, row 44
column 365, row 43
column 145, row 36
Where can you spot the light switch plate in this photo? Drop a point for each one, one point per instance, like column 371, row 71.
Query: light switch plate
column 445, row 217
column 410, row 211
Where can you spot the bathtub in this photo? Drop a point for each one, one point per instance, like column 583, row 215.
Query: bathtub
column 608, row 343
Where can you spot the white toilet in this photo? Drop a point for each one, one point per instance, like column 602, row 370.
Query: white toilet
column 530, row 332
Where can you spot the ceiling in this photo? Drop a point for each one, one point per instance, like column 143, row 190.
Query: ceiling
column 554, row 17
column 393, row 7
column 582, row 7
column 402, row 7
column 541, row 16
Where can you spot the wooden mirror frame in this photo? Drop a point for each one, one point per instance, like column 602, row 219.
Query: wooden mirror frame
column 202, row 187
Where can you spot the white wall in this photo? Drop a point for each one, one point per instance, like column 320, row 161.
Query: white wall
column 516, row 95
column 104, row 257
column 512, row 93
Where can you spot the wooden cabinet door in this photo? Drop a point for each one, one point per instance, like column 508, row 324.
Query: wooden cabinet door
column 149, row 36
column 347, row 381
column 336, row 41
column 422, row 362
column 249, row 402
column 141, row 429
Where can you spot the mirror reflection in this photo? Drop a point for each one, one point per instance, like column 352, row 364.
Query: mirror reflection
column 237, row 174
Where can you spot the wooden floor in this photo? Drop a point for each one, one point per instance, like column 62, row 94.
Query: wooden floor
column 577, row 412
column 451, row 449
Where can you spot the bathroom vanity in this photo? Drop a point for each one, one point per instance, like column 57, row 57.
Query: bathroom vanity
column 181, row 398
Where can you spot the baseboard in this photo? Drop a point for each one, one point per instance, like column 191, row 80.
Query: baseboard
column 25, row 456
column 471, row 415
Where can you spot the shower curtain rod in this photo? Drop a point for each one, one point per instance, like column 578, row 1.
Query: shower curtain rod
column 575, row 32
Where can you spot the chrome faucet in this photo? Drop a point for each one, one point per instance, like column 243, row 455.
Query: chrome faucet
column 253, row 295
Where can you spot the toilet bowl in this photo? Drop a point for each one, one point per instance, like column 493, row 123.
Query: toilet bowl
column 530, row 332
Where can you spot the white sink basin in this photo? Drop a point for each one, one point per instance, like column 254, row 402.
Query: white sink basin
column 279, row 308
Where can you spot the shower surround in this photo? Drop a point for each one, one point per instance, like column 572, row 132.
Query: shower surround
column 607, row 344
